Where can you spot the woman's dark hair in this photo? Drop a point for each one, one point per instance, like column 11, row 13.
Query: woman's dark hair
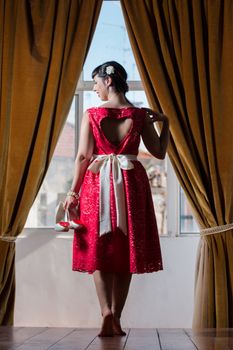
column 116, row 71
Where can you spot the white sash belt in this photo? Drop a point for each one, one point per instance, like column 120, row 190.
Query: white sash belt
column 102, row 163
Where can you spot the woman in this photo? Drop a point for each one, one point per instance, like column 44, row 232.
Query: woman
column 120, row 236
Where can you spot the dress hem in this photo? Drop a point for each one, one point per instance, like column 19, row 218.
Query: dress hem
column 132, row 272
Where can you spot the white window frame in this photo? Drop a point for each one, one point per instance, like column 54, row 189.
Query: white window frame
column 173, row 186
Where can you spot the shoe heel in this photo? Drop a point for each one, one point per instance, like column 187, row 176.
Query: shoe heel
column 74, row 225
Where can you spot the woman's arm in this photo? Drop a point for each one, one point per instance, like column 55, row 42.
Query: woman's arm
column 85, row 151
column 155, row 144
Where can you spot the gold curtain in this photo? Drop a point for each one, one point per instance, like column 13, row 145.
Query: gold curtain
column 184, row 52
column 43, row 45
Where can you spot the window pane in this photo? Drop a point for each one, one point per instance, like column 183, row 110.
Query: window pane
column 111, row 42
column 156, row 169
column 187, row 221
column 58, row 178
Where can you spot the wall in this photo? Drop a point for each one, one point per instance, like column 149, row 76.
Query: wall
column 49, row 293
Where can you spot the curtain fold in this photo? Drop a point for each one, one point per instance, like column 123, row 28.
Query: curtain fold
column 43, row 45
column 184, row 52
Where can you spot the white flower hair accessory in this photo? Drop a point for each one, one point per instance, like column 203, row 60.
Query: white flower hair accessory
column 110, row 70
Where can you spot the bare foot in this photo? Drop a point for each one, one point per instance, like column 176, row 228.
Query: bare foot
column 107, row 326
column 117, row 327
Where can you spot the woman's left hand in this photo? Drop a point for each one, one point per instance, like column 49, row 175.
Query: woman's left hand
column 70, row 203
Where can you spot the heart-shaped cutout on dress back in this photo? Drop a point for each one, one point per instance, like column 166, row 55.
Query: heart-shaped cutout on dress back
column 116, row 130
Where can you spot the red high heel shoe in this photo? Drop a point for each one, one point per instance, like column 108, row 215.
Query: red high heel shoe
column 63, row 221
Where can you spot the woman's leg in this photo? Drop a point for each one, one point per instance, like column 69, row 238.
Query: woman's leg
column 104, row 285
column 121, row 283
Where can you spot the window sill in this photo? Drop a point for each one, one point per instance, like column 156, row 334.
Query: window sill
column 28, row 232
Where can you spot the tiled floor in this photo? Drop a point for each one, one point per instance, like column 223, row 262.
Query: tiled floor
column 31, row 338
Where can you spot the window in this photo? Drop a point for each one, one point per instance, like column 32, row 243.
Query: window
column 58, row 178
column 110, row 42
column 187, row 221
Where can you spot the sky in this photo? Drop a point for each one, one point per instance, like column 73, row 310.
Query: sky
column 111, row 42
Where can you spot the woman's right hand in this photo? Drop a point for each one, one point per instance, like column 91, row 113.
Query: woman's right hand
column 70, row 203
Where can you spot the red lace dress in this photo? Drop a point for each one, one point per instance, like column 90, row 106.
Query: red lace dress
column 137, row 249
